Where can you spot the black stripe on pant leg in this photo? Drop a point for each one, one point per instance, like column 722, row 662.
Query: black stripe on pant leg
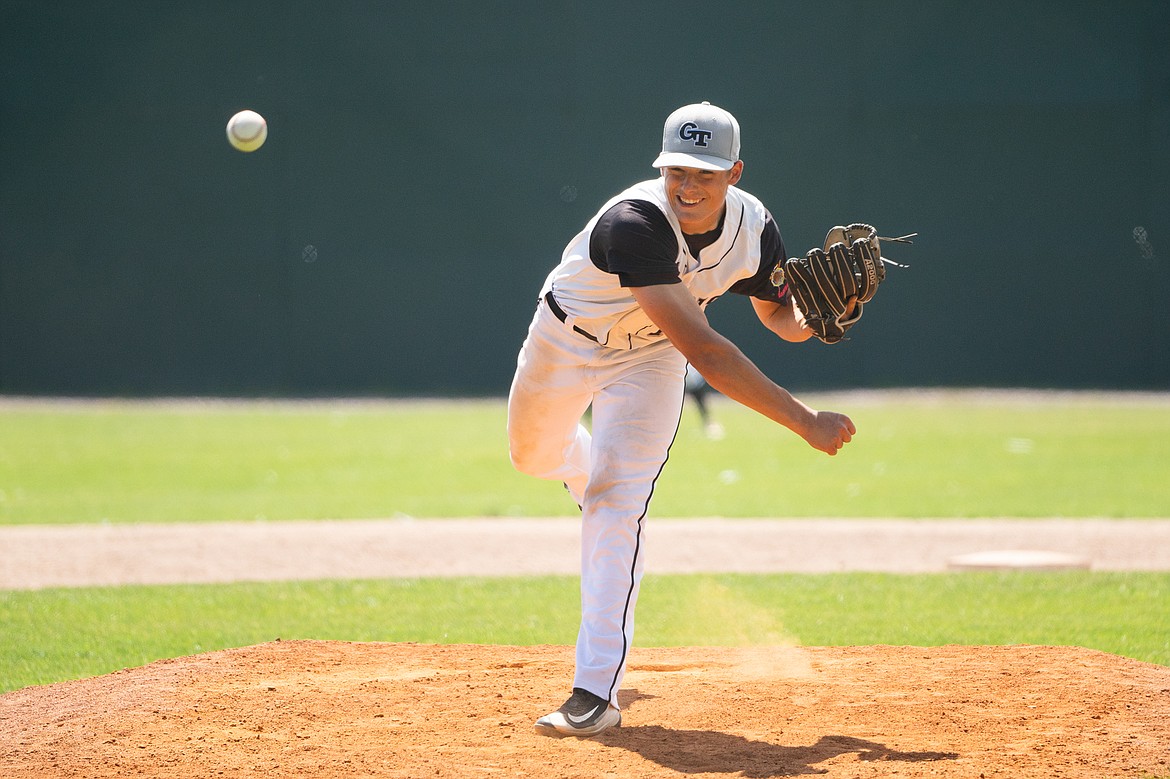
column 638, row 550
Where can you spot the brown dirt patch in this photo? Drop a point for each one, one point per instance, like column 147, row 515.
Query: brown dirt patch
column 95, row 555
column 333, row 709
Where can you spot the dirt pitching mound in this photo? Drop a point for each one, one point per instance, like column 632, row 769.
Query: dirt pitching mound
column 333, row 709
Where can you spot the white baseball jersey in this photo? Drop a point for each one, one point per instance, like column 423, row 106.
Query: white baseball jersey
column 590, row 346
column 591, row 284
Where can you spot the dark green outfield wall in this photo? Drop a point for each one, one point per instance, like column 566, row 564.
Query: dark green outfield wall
column 427, row 162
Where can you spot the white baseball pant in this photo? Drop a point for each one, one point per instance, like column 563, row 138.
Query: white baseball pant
column 637, row 398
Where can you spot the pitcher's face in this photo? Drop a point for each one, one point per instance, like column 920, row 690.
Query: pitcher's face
column 697, row 196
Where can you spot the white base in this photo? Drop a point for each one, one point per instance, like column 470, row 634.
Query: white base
column 1017, row 559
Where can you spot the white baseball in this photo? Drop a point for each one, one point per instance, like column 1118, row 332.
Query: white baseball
column 247, row 131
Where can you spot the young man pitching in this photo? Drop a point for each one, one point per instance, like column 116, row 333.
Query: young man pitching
column 616, row 324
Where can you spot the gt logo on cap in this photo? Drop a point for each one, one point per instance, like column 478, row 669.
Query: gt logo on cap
column 690, row 131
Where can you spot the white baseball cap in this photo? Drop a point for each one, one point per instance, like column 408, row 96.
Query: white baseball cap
column 699, row 136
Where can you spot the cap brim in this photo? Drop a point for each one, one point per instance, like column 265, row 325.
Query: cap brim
column 676, row 159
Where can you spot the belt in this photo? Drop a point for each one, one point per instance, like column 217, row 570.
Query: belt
column 560, row 314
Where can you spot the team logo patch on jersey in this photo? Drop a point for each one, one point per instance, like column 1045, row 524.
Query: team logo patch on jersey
column 777, row 276
column 691, row 132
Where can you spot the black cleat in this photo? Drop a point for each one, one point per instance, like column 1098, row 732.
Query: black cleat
column 583, row 715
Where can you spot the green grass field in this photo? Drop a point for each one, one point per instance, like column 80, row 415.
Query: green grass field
column 950, row 455
column 915, row 455
column 60, row 634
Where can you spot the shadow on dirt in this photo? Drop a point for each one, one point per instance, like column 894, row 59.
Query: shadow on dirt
column 706, row 751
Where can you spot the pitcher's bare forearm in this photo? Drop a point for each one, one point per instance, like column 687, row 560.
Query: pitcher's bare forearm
column 783, row 319
column 728, row 370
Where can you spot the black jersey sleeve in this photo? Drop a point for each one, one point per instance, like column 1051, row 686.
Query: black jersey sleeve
column 634, row 241
column 759, row 285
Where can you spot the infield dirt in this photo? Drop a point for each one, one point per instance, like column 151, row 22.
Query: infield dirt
column 331, row 709
column 338, row 710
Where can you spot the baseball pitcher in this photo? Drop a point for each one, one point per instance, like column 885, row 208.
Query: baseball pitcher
column 616, row 323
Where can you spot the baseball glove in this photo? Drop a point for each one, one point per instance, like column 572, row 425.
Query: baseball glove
column 825, row 281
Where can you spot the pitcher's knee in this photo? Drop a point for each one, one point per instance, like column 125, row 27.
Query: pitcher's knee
column 529, row 460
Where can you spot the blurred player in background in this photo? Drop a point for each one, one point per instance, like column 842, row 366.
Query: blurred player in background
column 699, row 390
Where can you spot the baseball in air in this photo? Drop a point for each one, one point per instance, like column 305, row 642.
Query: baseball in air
column 247, row 131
